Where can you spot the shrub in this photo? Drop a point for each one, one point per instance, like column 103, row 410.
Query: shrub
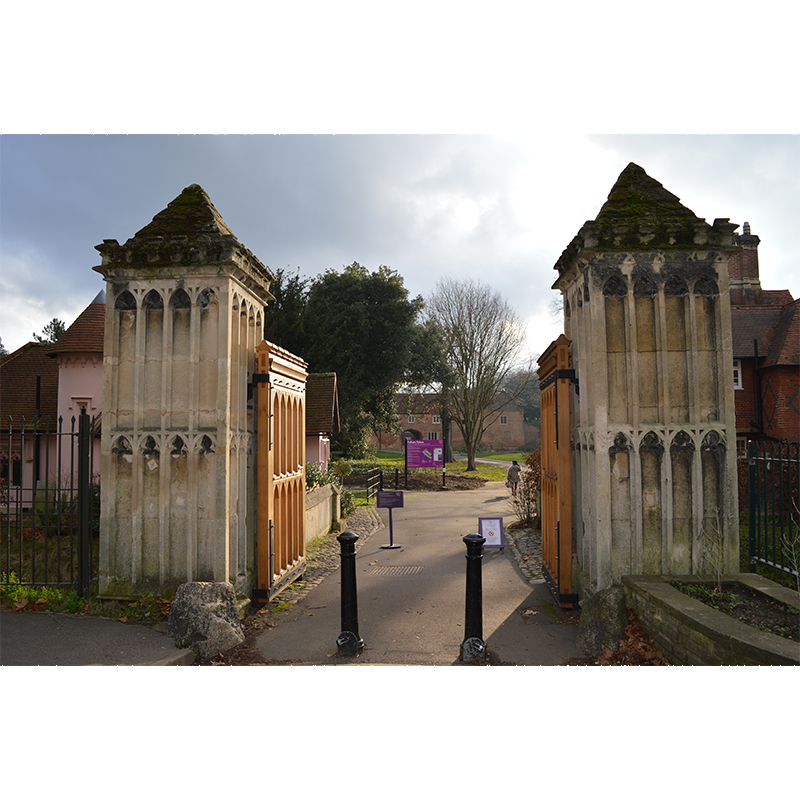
column 67, row 601
column 315, row 476
column 525, row 501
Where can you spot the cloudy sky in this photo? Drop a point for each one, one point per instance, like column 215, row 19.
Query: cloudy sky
column 492, row 208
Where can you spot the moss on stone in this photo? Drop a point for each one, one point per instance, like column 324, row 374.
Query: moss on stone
column 190, row 214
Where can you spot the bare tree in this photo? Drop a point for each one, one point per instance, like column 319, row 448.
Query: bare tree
column 484, row 341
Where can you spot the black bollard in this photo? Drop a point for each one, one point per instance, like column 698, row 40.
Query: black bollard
column 349, row 642
column 473, row 647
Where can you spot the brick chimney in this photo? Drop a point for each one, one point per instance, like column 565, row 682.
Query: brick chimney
column 743, row 269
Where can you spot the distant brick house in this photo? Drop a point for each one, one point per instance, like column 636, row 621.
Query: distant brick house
column 419, row 418
column 766, row 351
column 52, row 381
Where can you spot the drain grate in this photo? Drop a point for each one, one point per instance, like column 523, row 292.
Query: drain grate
column 400, row 570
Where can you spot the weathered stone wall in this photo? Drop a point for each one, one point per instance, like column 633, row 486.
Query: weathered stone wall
column 654, row 469
column 177, row 432
column 322, row 511
column 184, row 313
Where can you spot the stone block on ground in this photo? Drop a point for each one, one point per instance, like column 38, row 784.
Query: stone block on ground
column 604, row 617
column 205, row 617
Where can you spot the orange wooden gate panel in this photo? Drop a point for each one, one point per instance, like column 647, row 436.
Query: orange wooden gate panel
column 280, row 480
column 555, row 378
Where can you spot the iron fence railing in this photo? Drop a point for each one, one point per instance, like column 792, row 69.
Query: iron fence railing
column 49, row 503
column 774, row 504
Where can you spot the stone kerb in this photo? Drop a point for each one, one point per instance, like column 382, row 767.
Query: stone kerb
column 691, row 633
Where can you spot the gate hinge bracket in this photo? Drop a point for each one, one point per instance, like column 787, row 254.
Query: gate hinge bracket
column 561, row 374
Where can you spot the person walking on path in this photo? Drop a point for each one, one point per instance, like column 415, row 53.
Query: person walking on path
column 513, row 477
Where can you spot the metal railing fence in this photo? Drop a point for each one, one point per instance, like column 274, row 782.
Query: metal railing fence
column 49, row 503
column 774, row 504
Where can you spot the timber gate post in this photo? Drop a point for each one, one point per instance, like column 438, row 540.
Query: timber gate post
column 555, row 380
column 281, row 482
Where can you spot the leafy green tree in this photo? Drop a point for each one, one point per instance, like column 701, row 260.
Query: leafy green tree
column 363, row 326
column 284, row 317
column 3, row 351
column 51, row 332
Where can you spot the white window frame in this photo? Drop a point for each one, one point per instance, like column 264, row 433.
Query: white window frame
column 503, row 419
column 411, row 418
column 741, row 443
column 435, row 420
column 737, row 374
column 433, row 435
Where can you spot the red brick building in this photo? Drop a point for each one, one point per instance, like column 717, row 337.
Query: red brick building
column 418, row 417
column 766, row 350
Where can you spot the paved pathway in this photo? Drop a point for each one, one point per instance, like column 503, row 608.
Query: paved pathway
column 411, row 601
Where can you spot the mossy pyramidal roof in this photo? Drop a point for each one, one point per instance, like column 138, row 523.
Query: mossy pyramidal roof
column 637, row 196
column 190, row 214
column 189, row 233
column 641, row 215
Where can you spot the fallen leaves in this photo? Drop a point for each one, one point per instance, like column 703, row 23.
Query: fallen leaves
column 38, row 605
column 635, row 650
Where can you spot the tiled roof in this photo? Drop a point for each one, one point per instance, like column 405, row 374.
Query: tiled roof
column 322, row 404
column 18, row 373
column 85, row 335
column 421, row 404
column 785, row 349
column 776, row 297
column 776, row 329
column 425, row 404
column 753, row 322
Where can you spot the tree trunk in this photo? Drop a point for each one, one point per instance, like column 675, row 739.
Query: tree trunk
column 470, row 456
column 447, row 433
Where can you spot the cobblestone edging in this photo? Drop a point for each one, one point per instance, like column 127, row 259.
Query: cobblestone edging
column 526, row 546
column 324, row 554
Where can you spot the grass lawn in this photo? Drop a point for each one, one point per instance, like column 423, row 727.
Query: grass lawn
column 503, row 456
column 392, row 460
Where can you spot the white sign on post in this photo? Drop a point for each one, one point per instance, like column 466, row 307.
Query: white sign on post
column 491, row 528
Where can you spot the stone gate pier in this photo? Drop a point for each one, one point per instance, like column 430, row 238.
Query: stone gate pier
column 647, row 311
column 184, row 314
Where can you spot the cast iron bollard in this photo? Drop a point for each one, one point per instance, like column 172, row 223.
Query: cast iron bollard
column 349, row 642
column 473, row 647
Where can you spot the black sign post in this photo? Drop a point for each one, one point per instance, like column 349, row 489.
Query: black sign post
column 390, row 500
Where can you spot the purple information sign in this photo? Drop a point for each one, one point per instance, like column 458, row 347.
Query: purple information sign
column 422, row 453
column 390, row 499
